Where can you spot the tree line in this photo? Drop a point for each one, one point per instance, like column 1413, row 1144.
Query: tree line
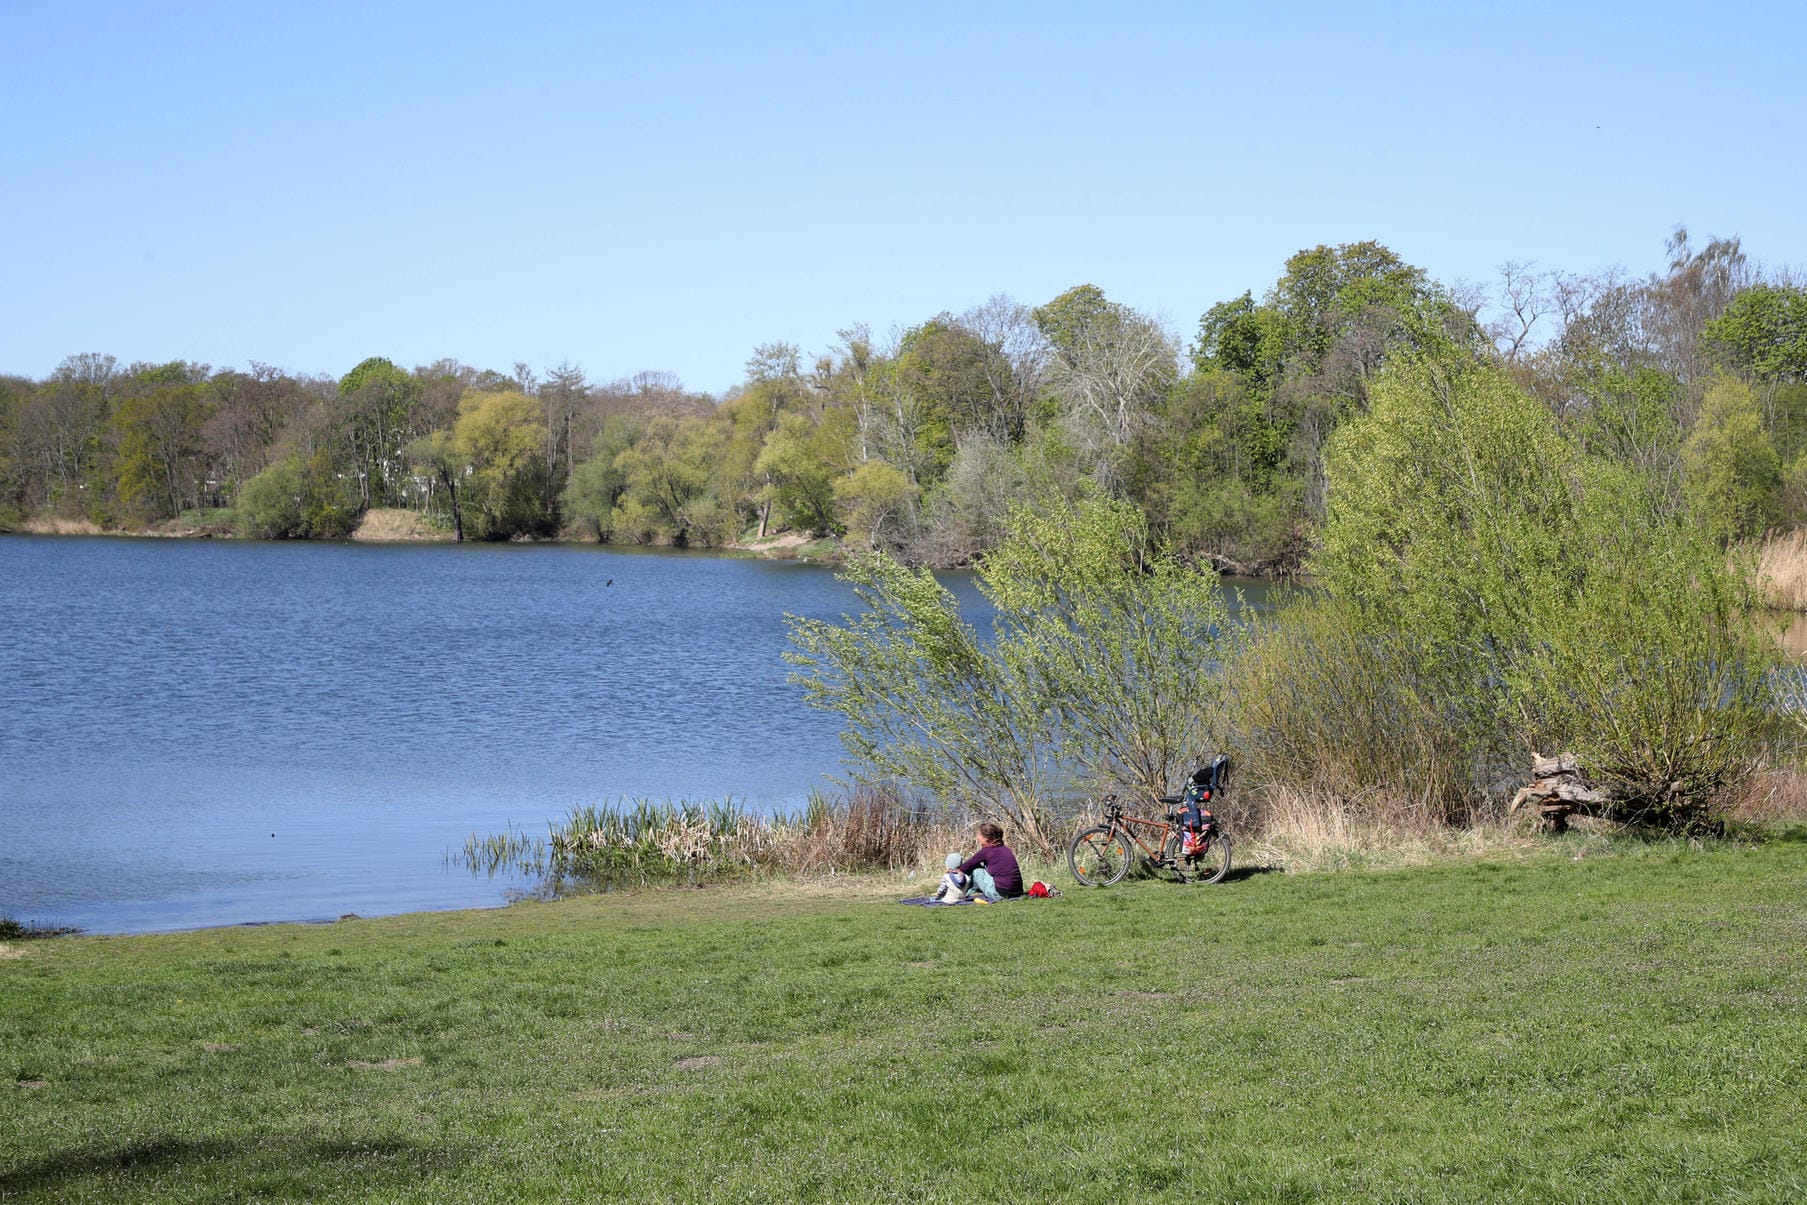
column 919, row 443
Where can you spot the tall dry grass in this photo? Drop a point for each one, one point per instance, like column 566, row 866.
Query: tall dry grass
column 1766, row 799
column 1782, row 570
column 1300, row 830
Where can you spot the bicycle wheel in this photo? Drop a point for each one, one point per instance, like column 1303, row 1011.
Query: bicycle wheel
column 1210, row 866
column 1214, row 863
column 1099, row 856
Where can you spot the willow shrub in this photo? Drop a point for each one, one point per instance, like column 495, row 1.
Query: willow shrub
column 1100, row 670
column 1336, row 719
column 1506, row 595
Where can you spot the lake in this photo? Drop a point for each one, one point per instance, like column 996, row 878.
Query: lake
column 213, row 732
column 199, row 732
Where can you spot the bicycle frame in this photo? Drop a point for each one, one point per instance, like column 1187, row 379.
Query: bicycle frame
column 1133, row 827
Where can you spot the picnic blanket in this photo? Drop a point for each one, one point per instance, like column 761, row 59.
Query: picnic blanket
column 932, row 901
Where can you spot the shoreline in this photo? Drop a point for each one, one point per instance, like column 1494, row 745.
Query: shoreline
column 393, row 526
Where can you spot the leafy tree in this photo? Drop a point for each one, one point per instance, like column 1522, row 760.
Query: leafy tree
column 157, row 458
column 502, row 438
column 597, row 484
column 801, row 468
column 1235, row 468
column 877, row 501
column 1099, row 669
column 669, row 474
column 61, row 430
column 775, row 388
column 14, row 473
column 1733, row 472
column 300, row 496
column 378, row 418
column 440, row 454
column 953, row 382
column 1762, row 334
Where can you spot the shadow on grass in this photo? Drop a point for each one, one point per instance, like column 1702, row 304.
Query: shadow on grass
column 293, row 1160
column 1239, row 873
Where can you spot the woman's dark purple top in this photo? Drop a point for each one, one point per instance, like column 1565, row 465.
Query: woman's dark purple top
column 1000, row 863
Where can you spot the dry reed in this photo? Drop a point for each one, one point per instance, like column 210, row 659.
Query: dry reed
column 1766, row 799
column 1306, row 829
column 1782, row 570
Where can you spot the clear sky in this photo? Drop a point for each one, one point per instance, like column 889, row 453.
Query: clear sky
column 666, row 186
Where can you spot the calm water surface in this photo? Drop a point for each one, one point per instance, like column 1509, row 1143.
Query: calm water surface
column 223, row 732
column 198, row 732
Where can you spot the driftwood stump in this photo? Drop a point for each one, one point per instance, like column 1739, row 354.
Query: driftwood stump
column 1557, row 792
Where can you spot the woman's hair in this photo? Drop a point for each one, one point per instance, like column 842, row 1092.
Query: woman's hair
column 992, row 831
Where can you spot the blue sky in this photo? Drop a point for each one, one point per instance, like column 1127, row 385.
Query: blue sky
column 634, row 187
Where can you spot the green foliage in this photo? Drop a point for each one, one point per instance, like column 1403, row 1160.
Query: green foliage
column 502, row 439
column 1629, row 416
column 1762, row 334
column 876, row 500
column 297, row 498
column 377, row 416
column 925, row 700
column 669, row 478
column 1732, row 471
column 944, row 374
column 157, row 460
column 1120, row 640
column 799, row 465
column 1065, row 320
column 596, row 485
column 1534, row 600
column 1098, row 672
column 1237, row 468
column 375, row 372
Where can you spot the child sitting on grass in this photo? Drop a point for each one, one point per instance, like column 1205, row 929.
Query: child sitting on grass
column 953, row 884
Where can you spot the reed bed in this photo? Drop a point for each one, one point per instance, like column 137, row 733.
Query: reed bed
column 1772, row 799
column 1782, row 570
column 636, row 843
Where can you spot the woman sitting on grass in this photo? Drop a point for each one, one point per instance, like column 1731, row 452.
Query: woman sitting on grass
column 993, row 869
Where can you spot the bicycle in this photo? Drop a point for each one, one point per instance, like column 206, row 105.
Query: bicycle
column 1198, row 852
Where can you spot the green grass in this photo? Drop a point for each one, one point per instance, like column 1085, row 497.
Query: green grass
column 1626, row 1027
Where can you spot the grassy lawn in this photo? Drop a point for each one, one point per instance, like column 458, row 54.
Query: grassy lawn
column 1627, row 1027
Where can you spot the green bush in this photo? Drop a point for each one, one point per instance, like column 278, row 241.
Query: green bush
column 1516, row 596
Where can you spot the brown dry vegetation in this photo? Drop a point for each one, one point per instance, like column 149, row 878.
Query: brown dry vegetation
column 390, row 525
column 1768, row 798
column 1782, row 570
